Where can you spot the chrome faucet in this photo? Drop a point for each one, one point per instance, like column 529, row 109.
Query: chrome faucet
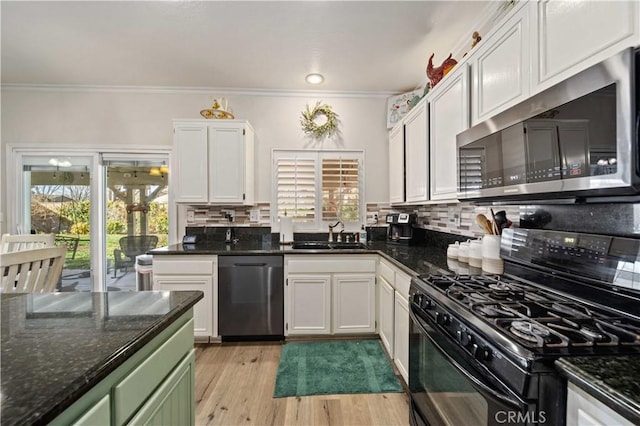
column 331, row 230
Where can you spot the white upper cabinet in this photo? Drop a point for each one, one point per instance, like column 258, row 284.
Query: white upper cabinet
column 570, row 36
column 214, row 162
column 449, row 115
column 417, row 154
column 191, row 169
column 396, row 164
column 500, row 68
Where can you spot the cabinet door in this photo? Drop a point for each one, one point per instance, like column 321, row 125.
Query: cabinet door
column 417, row 154
column 173, row 403
column 99, row 414
column 309, row 304
column 385, row 314
column 203, row 310
column 401, row 336
column 501, row 69
column 191, row 169
column 449, row 115
column 396, row 164
column 572, row 36
column 585, row 410
column 354, row 301
column 226, row 165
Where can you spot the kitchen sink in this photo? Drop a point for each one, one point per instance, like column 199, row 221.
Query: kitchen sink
column 325, row 245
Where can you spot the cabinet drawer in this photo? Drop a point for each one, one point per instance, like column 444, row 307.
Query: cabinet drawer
column 183, row 265
column 386, row 271
column 403, row 282
column 131, row 392
column 331, row 264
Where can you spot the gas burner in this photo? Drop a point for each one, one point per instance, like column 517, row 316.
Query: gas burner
column 500, row 286
column 529, row 331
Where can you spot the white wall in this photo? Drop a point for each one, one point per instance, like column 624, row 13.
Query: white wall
column 144, row 118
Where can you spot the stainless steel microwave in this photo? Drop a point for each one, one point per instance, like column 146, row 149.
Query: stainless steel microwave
column 577, row 140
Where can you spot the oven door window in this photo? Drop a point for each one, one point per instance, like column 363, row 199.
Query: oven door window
column 447, row 390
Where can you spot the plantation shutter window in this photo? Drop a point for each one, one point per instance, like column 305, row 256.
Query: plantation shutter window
column 317, row 188
column 340, row 189
column 296, row 186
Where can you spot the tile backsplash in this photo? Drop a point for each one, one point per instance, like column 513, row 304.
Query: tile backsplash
column 621, row 219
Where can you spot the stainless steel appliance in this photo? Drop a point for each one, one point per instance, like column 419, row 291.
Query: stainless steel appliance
column 577, row 140
column 250, row 297
column 482, row 348
column 401, row 228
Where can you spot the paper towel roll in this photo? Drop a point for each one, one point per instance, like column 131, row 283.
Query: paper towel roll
column 286, row 230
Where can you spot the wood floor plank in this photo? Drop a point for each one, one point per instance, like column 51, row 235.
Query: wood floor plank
column 235, row 383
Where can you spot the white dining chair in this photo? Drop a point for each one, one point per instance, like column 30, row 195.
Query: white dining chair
column 20, row 242
column 31, row 271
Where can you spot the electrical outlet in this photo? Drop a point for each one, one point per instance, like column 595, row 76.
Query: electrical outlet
column 254, row 215
column 372, row 218
column 191, row 216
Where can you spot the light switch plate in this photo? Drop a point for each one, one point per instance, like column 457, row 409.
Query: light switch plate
column 191, row 215
column 254, row 215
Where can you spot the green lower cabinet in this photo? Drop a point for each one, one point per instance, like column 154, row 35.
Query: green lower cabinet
column 155, row 386
column 99, row 414
column 173, row 402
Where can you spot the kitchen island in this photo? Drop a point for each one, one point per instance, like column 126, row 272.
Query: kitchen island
column 87, row 356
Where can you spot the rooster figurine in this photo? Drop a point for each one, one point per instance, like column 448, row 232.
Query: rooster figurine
column 436, row 74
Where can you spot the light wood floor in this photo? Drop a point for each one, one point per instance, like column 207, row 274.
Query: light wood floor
column 235, row 382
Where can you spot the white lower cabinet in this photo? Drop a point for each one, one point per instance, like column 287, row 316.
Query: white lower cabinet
column 393, row 314
column 309, row 304
column 330, row 294
column 386, row 302
column 192, row 272
column 585, row 410
column 354, row 301
column 401, row 335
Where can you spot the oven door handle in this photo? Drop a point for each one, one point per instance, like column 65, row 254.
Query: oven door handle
column 484, row 387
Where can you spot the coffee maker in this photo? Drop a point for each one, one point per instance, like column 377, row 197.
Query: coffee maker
column 401, row 228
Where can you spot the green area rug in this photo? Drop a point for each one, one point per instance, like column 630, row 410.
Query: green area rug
column 341, row 366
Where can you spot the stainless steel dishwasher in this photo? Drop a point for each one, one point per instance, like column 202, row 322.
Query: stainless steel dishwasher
column 250, row 297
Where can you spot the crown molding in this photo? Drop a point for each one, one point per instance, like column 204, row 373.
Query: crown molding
column 219, row 91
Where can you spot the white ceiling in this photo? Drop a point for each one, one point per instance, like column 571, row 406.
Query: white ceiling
column 359, row 46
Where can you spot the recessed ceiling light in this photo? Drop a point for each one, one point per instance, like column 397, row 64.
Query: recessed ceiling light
column 314, row 78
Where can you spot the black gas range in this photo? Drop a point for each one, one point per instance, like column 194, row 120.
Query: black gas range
column 482, row 348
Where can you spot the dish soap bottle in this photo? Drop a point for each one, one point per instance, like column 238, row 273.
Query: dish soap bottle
column 363, row 235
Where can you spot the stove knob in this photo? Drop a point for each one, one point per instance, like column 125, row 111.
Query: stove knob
column 442, row 319
column 466, row 339
column 481, row 353
column 417, row 299
column 426, row 303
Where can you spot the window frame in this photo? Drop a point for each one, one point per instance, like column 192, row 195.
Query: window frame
column 318, row 224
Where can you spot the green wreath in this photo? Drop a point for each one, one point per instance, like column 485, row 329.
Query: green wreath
column 311, row 127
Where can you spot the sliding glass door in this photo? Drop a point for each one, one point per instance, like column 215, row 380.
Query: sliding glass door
column 57, row 199
column 106, row 208
column 136, row 218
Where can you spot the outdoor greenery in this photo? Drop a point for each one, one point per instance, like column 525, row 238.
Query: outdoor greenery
column 66, row 213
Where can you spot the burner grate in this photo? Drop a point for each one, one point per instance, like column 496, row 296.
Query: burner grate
column 537, row 318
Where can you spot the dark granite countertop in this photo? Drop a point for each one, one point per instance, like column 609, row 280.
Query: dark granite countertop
column 419, row 259
column 57, row 346
column 614, row 380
